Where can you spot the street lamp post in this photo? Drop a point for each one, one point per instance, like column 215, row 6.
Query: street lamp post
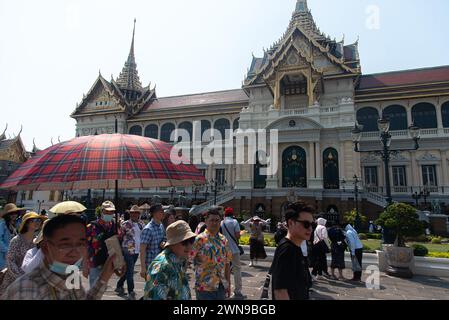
column 206, row 194
column 195, row 192
column 40, row 203
column 215, row 184
column 385, row 152
column 172, row 192
column 358, row 220
column 425, row 194
column 416, row 196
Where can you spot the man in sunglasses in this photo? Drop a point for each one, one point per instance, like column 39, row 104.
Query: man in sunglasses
column 167, row 278
column 289, row 269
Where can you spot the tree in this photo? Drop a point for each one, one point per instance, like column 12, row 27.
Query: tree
column 349, row 217
column 403, row 221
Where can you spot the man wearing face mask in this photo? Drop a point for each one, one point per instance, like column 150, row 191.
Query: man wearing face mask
column 64, row 246
column 97, row 232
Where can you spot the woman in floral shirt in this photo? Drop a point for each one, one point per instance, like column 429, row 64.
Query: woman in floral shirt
column 167, row 278
column 211, row 257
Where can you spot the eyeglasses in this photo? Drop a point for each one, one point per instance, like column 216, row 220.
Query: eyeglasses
column 188, row 242
column 66, row 249
column 306, row 224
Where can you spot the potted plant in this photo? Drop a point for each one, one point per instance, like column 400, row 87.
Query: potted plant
column 403, row 221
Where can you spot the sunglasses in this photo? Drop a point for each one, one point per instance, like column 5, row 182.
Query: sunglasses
column 188, row 242
column 306, row 224
column 35, row 220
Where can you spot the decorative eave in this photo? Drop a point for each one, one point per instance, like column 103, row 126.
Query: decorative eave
column 273, row 58
column 112, row 90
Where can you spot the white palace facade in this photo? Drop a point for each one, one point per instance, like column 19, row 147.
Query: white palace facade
column 311, row 89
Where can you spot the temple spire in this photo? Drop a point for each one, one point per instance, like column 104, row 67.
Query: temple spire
column 129, row 78
column 301, row 6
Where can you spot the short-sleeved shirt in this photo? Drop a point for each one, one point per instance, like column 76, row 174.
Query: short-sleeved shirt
column 167, row 278
column 288, row 271
column 210, row 255
column 152, row 236
column 233, row 226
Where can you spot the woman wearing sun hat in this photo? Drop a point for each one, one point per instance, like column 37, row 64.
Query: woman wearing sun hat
column 7, row 229
column 167, row 278
column 256, row 240
column 20, row 244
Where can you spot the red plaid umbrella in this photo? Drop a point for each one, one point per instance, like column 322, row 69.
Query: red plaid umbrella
column 96, row 162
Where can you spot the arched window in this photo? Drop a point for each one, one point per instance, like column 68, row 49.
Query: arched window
column 188, row 127
column 397, row 116
column 205, row 125
column 424, row 115
column 235, row 124
column 294, row 168
column 136, row 130
column 151, row 131
column 222, row 125
column 330, row 169
column 260, row 180
column 445, row 114
column 166, row 131
column 368, row 118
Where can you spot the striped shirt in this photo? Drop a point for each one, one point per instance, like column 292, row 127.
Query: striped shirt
column 42, row 284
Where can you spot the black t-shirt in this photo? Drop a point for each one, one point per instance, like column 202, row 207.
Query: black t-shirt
column 288, row 271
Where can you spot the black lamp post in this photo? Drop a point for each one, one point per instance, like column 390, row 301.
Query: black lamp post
column 385, row 152
column 425, row 194
column 172, row 192
column 40, row 203
column 416, row 196
column 206, row 194
column 215, row 190
column 195, row 193
column 358, row 220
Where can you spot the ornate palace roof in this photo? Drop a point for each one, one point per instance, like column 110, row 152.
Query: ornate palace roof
column 127, row 92
column 339, row 54
column 12, row 149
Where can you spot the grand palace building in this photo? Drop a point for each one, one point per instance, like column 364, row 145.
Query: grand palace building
column 311, row 89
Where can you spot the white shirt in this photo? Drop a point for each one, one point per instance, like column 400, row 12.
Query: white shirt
column 304, row 248
column 32, row 260
column 137, row 234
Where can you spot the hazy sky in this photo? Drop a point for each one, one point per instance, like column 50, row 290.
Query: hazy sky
column 52, row 50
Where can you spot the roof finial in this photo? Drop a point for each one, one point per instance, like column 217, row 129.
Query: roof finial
column 51, row 141
column 3, row 136
column 59, row 139
column 301, row 6
column 21, row 128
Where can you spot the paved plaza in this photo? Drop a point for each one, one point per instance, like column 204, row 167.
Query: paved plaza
column 418, row 288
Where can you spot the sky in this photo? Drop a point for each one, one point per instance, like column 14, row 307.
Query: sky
column 51, row 51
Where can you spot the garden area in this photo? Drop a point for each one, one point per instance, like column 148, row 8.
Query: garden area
column 403, row 220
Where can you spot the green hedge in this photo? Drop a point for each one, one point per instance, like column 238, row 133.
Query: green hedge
column 420, row 250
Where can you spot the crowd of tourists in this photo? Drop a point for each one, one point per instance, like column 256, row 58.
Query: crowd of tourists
column 38, row 255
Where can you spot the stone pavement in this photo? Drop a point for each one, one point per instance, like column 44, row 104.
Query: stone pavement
column 418, row 288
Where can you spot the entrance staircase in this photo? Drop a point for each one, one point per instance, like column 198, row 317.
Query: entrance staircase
column 221, row 198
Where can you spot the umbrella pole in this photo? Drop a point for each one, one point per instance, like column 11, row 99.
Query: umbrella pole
column 116, row 207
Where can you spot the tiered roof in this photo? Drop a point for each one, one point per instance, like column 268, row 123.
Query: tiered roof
column 129, row 77
column 346, row 56
column 127, row 90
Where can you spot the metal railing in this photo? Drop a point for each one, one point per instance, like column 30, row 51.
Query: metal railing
column 221, row 198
